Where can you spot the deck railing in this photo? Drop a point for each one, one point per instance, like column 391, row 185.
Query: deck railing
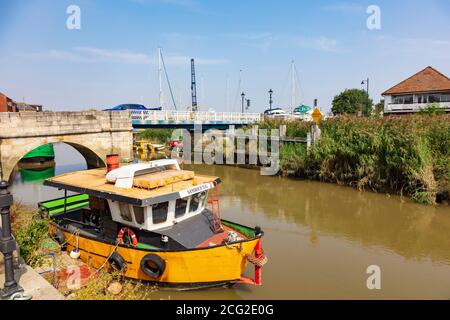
column 199, row 116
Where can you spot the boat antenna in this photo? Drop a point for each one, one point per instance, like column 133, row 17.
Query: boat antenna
column 167, row 78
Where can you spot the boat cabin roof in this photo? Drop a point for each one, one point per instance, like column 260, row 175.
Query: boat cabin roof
column 147, row 189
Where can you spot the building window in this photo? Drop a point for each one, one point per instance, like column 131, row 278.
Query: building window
column 422, row 98
column 125, row 212
column 445, row 97
column 180, row 207
column 159, row 212
column 406, row 99
column 432, row 98
column 139, row 214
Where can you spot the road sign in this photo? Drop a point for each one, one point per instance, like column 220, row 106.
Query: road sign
column 316, row 115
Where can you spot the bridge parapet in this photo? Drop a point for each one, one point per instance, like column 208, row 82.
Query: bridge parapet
column 31, row 124
column 173, row 118
column 93, row 133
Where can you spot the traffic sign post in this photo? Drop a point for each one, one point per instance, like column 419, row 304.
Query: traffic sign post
column 316, row 115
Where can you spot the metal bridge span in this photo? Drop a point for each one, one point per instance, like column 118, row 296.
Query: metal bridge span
column 187, row 120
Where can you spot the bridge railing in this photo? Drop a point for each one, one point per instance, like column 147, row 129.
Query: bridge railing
column 201, row 116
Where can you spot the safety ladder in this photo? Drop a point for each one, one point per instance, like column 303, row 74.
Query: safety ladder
column 215, row 209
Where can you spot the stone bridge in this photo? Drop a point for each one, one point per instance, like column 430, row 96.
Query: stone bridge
column 93, row 133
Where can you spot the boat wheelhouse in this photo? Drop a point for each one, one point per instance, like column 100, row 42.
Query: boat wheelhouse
column 152, row 222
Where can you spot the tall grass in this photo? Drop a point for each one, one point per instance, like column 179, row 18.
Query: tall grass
column 156, row 135
column 408, row 155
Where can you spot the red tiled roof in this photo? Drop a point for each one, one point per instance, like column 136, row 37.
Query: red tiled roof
column 427, row 80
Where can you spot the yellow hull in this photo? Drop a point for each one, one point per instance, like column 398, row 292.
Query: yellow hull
column 190, row 266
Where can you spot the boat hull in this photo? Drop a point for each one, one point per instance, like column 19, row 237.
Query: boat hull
column 198, row 267
column 40, row 154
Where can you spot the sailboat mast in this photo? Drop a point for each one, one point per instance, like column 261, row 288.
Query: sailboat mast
column 227, row 107
column 160, row 78
column 293, row 86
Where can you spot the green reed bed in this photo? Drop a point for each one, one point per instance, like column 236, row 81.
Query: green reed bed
column 408, row 155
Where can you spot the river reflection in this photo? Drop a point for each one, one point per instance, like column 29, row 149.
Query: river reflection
column 320, row 238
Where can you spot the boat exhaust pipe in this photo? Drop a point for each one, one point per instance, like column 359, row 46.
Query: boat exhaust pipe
column 112, row 162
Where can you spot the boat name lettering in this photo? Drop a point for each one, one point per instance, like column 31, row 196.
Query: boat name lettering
column 197, row 189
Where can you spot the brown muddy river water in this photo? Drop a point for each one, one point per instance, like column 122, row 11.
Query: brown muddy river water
column 319, row 238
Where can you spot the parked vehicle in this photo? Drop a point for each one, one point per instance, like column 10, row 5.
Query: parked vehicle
column 132, row 106
column 275, row 112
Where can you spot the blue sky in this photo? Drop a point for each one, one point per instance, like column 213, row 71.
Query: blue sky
column 112, row 59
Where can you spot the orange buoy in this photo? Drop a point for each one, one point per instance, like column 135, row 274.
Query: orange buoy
column 112, row 162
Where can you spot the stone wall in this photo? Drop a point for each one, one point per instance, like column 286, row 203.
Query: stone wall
column 94, row 134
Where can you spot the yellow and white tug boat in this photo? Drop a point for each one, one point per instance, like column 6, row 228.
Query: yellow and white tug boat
column 151, row 222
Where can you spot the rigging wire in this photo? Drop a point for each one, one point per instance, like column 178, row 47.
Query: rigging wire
column 168, row 82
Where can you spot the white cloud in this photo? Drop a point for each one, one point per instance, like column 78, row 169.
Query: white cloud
column 99, row 55
column 423, row 47
column 104, row 55
column 265, row 40
column 249, row 36
column 184, row 36
column 319, row 43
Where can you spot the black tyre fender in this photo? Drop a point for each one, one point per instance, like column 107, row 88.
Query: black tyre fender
column 61, row 239
column 117, row 262
column 153, row 266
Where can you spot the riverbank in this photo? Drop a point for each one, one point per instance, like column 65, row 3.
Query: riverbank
column 42, row 255
column 401, row 155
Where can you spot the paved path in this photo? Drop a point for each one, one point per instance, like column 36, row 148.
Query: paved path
column 32, row 282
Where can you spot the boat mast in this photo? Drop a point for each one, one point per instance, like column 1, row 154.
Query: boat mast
column 293, row 86
column 160, row 78
column 227, row 102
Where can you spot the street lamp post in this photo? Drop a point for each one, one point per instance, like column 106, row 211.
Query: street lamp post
column 366, row 82
column 270, row 99
column 243, row 99
column 7, row 244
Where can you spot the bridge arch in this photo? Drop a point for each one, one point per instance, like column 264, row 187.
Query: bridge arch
column 94, row 159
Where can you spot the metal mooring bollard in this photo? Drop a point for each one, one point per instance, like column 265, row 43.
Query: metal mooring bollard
column 7, row 244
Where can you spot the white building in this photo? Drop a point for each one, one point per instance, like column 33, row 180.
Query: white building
column 417, row 92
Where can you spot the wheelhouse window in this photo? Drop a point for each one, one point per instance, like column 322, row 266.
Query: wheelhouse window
column 197, row 201
column 139, row 214
column 159, row 212
column 125, row 212
column 180, row 207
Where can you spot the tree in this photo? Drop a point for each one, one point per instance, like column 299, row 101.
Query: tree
column 379, row 108
column 352, row 101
